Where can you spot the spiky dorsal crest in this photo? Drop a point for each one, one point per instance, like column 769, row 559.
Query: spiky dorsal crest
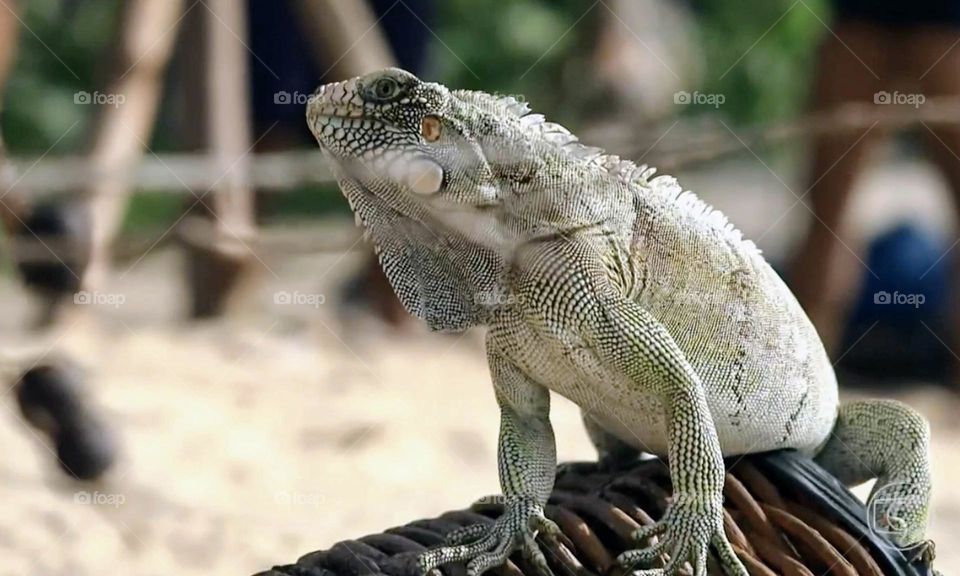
column 630, row 173
column 625, row 171
column 686, row 202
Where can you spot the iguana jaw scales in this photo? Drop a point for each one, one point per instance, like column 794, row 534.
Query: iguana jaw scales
column 371, row 132
column 337, row 118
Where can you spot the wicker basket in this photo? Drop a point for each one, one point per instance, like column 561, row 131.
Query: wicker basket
column 784, row 515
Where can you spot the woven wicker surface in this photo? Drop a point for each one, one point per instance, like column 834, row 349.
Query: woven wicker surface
column 784, row 515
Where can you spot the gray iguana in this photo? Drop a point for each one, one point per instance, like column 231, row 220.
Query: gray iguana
column 617, row 290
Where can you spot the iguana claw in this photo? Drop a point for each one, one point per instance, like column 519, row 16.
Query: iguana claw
column 487, row 546
column 924, row 552
column 685, row 534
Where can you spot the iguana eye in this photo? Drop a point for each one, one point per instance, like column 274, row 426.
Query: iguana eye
column 385, row 88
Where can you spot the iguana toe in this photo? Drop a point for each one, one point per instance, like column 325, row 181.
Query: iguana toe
column 486, row 546
column 924, row 552
column 686, row 532
column 466, row 534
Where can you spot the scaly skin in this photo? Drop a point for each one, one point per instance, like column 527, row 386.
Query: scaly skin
column 621, row 292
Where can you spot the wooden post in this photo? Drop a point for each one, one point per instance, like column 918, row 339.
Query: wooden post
column 348, row 32
column 220, row 232
column 145, row 41
column 9, row 34
column 228, row 118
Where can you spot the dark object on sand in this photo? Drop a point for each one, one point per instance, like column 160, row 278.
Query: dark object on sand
column 784, row 515
column 51, row 248
column 52, row 400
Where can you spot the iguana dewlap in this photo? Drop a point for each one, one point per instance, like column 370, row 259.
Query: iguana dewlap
column 617, row 290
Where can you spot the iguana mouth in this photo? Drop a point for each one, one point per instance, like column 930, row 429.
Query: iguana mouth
column 331, row 124
column 339, row 99
column 331, row 111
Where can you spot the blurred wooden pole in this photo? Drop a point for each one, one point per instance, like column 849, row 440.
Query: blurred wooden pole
column 9, row 34
column 347, row 32
column 143, row 47
column 219, row 261
column 349, row 36
column 228, row 121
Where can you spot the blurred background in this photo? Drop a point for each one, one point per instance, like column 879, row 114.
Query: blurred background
column 204, row 370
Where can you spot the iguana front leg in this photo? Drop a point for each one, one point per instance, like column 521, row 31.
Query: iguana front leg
column 527, row 458
column 630, row 339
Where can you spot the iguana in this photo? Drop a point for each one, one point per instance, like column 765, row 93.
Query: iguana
column 615, row 289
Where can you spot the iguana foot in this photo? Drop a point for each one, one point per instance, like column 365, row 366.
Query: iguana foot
column 685, row 532
column 486, row 546
column 924, row 552
column 890, row 441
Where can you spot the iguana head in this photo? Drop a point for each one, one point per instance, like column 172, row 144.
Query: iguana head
column 404, row 154
column 447, row 182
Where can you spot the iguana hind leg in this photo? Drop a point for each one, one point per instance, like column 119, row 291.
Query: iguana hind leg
column 889, row 441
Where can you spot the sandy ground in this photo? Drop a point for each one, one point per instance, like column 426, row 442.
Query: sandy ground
column 248, row 443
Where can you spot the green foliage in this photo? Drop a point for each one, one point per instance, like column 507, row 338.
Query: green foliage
column 758, row 54
column 512, row 47
column 528, row 47
column 151, row 212
column 307, row 201
column 761, row 57
column 61, row 45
